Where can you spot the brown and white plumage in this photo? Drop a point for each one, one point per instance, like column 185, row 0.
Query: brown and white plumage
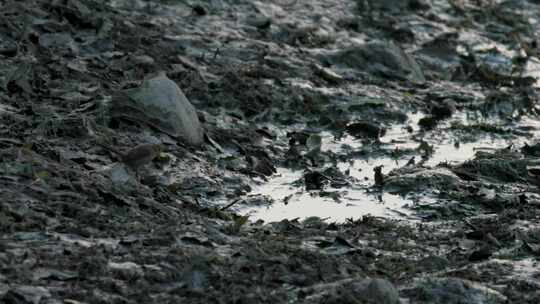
column 137, row 157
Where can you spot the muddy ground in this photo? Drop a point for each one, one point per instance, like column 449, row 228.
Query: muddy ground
column 354, row 152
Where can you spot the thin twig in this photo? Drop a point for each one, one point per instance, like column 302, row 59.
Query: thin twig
column 230, row 204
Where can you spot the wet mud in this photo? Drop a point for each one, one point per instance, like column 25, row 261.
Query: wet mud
column 306, row 151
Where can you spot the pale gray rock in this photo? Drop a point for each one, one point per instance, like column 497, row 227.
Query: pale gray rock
column 452, row 291
column 422, row 179
column 378, row 291
column 380, row 58
column 126, row 270
column 26, row 294
column 160, row 103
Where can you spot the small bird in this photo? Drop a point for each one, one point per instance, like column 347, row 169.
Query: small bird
column 378, row 176
column 137, row 157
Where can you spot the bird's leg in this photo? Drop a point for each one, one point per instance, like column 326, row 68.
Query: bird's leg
column 137, row 176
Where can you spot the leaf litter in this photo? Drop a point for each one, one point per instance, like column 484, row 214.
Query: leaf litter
column 353, row 151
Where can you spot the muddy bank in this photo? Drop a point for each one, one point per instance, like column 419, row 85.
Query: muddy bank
column 293, row 152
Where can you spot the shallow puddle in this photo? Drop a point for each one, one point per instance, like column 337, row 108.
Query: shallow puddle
column 293, row 201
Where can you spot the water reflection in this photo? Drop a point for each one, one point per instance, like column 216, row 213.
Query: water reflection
column 292, row 201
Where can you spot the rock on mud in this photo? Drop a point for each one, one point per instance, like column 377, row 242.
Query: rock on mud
column 160, row 103
column 443, row 109
column 8, row 46
column 422, row 179
column 366, row 129
column 58, row 41
column 381, row 58
column 121, row 178
column 377, row 291
column 439, row 58
column 452, row 290
column 126, row 270
column 26, row 294
column 391, row 5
